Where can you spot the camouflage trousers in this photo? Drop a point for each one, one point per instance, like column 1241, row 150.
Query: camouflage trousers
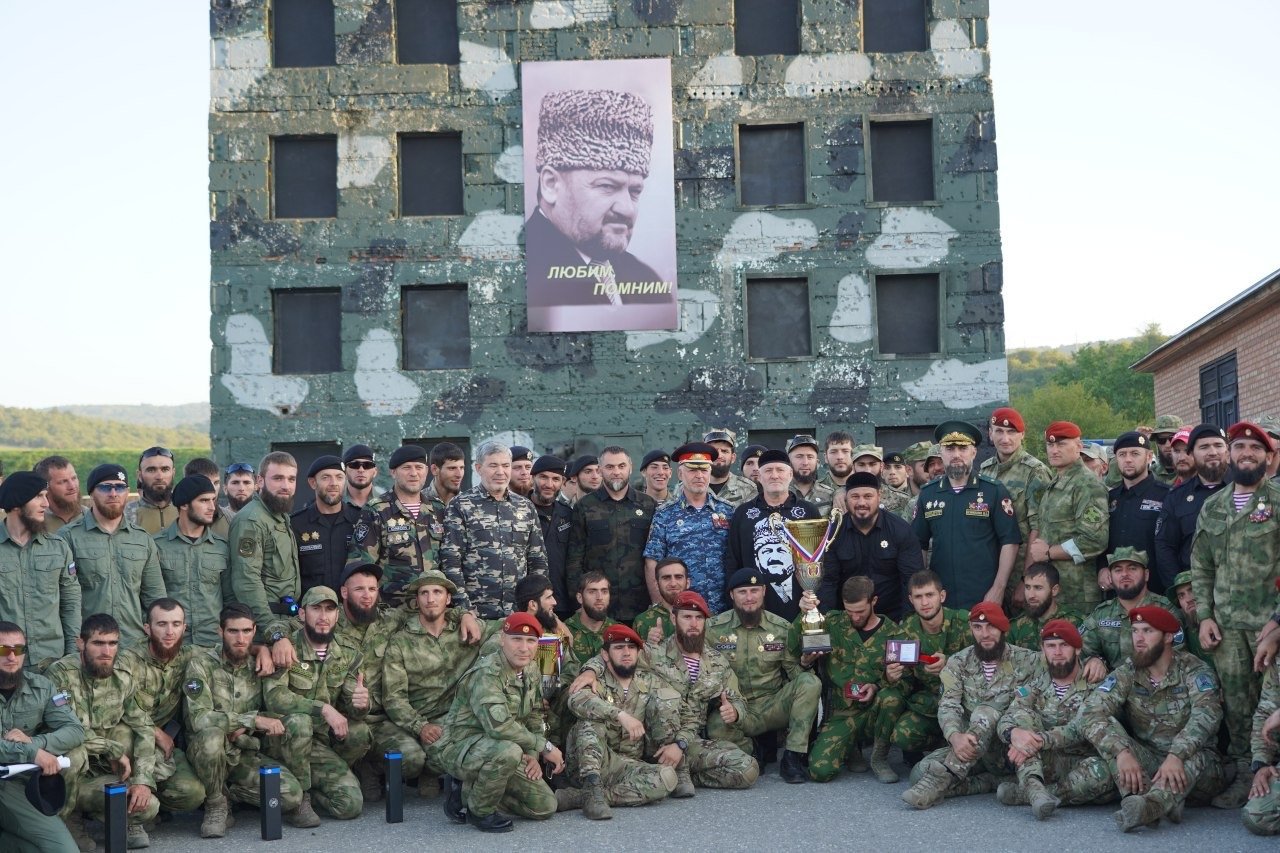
column 794, row 707
column 1261, row 815
column 1205, row 779
column 991, row 752
column 492, row 775
column 222, row 765
column 916, row 729
column 720, row 764
column 1241, row 689
column 85, row 780
column 627, row 780
column 847, row 727
column 388, row 737
column 323, row 764
column 178, row 787
column 1076, row 780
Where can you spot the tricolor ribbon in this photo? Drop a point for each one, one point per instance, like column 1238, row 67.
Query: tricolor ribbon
column 817, row 554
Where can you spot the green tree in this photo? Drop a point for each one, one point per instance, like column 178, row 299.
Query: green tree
column 1103, row 370
column 1071, row 402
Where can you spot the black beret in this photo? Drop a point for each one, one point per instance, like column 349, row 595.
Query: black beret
column 774, row 456
column 105, row 472
column 355, row 566
column 20, row 487
column 548, row 463
column 894, row 458
column 324, row 463
column 407, row 453
column 862, row 480
column 357, row 451
column 1131, row 439
column 746, row 576
column 191, row 487
column 751, row 451
column 521, row 454
column 1205, row 431
column 576, row 466
column 655, row 456
column 48, row 794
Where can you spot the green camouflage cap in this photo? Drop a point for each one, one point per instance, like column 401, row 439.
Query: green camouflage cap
column 1167, row 423
column 1094, row 450
column 431, row 577
column 868, row 450
column 317, row 594
column 917, row 452
column 720, row 434
column 1128, row 555
column 1181, row 579
column 1270, row 424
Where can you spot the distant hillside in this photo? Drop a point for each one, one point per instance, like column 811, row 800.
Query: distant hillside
column 40, row 429
column 194, row 415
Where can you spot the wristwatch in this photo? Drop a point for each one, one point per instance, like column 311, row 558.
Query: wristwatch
column 1256, row 766
column 277, row 636
column 683, row 744
column 547, row 747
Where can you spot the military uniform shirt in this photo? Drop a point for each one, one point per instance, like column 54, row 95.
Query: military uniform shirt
column 264, row 567
column 1134, row 513
column 964, row 533
column 1235, row 559
column 102, row 704
column 143, row 514
column 758, row 655
column 196, row 573
column 1176, row 526
column 38, row 705
column 404, row 546
column 888, row 553
column 609, row 535
column 696, row 537
column 1108, row 635
column 490, row 544
column 119, row 572
column 1025, row 477
column 1073, row 515
column 556, row 522
column 964, row 688
column 420, row 672
column 219, row 695
column 40, row 593
column 324, row 543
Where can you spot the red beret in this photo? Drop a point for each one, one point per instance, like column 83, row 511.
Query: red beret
column 522, row 625
column 1008, row 417
column 1061, row 429
column 1156, row 617
column 1244, row 429
column 690, row 600
column 991, row 613
column 621, row 634
column 1061, row 629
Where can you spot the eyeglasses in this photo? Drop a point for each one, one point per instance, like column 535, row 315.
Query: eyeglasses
column 112, row 488
column 156, row 451
column 362, row 466
column 239, row 468
column 17, row 649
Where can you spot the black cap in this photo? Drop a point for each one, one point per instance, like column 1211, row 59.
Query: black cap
column 1205, row 431
column 357, row 451
column 751, row 451
column 191, row 487
column 20, row 487
column 746, row 576
column 894, row 458
column 105, row 472
column 521, row 454
column 655, row 456
column 576, row 466
column 801, row 441
column 324, row 463
column 769, row 456
column 356, row 566
column 862, row 480
column 1131, row 439
column 548, row 462
column 407, row 453
column 47, row 793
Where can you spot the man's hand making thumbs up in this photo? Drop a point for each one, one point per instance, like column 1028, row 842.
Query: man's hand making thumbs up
column 728, row 713
column 360, row 696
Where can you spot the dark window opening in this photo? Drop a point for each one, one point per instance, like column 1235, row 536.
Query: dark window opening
column 427, row 32
column 431, row 174
column 894, row 26
column 771, row 164
column 778, row 318
column 302, row 33
column 305, row 170
column 902, row 161
column 435, row 327
column 308, row 331
column 762, row 27
column 907, row 314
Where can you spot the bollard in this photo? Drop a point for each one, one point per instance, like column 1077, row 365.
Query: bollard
column 269, row 802
column 395, row 788
column 116, row 819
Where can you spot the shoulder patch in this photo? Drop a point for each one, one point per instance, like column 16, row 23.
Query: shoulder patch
column 71, row 568
column 498, row 712
column 1092, row 515
column 60, row 698
column 1024, row 691
column 193, row 688
column 1107, row 684
column 361, row 532
column 1205, row 683
column 246, row 546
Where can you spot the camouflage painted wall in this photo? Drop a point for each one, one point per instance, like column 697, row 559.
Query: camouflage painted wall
column 655, row 388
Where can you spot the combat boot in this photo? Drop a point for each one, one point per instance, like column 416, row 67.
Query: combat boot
column 880, row 763
column 933, row 785
column 136, row 837
column 428, row 785
column 596, row 805
column 1237, row 793
column 75, row 825
column 854, row 760
column 568, row 799
column 979, row 783
column 303, row 817
column 684, row 782
column 1042, row 802
column 216, row 811
column 1137, row 810
column 370, row 782
column 454, row 809
column 1012, row 794
column 792, row 768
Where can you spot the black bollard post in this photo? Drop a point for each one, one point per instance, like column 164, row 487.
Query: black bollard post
column 269, row 802
column 116, row 817
column 395, row 788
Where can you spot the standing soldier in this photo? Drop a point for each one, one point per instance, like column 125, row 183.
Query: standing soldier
column 225, row 711
column 1041, row 589
column 728, row 486
column 1071, row 521
column 1024, row 476
column 153, row 511
column 655, row 473
column 40, row 593
column 240, row 487
column 325, row 526
column 1135, row 506
column 195, row 561
column 658, row 622
column 361, row 471
column 631, row 718
column 555, row 520
column 448, row 470
column 116, row 563
column 1176, row 528
column 802, row 450
column 838, row 453
column 65, row 504
column 1262, row 811
column 493, row 739
column 1169, row 700
column 397, row 529
column 1107, row 638
column 1163, row 467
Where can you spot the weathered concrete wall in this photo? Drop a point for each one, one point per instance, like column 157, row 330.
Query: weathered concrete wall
column 658, row 388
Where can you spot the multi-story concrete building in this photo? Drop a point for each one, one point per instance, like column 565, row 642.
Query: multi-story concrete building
column 836, row 214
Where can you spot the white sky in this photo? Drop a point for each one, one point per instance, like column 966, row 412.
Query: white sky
column 1137, row 181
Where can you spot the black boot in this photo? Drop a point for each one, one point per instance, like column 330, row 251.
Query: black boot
column 453, row 808
column 496, row 822
column 792, row 768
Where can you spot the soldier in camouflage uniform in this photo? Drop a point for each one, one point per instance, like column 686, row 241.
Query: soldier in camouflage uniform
column 195, row 561
column 610, row 529
column 657, row 623
column 492, row 538
column 40, row 592
column 1070, row 523
column 1040, row 591
column 116, row 563
column 1162, row 467
column 225, row 708
column 1169, row 700
column 324, row 695
column 971, row 705
column 895, row 494
column 632, row 717
column 1181, row 595
column 403, row 539
column 588, row 624
column 1108, row 641
column 153, row 510
column 803, row 452
column 860, row 708
column 1262, row 812
column 1235, row 564
column 158, row 666
column 118, row 742
column 776, row 692
column 1023, row 475
column 1042, row 728
column 731, row 488
column 494, row 738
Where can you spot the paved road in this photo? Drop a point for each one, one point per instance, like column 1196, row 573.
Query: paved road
column 854, row 812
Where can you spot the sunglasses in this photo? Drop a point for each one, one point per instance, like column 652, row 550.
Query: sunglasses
column 112, row 488
column 238, row 468
column 17, row 649
column 362, row 466
column 157, row 451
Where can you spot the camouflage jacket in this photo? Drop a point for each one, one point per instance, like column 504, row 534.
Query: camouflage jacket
column 197, row 573
column 1180, row 716
column 157, row 687
column 1025, row 477
column 715, row 676
column 923, row 688
column 609, row 536
column 964, row 688
column 1263, row 749
column 119, row 572
column 1073, row 514
column 697, row 537
column 145, row 515
column 404, row 546
column 1036, row 707
column 39, row 593
column 222, row 697
column 655, row 615
column 370, row 643
column 493, row 701
column 896, row 501
column 420, row 672
column 1235, row 559
column 1025, row 631
column 586, row 643
column 1108, row 635
column 490, row 544
column 608, row 702
column 43, row 713
column 821, row 496
column 264, row 566
column 115, row 724
column 311, row 683
column 758, row 656
column 853, row 660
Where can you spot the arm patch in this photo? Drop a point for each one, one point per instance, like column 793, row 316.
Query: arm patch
column 247, row 546
column 1107, row 684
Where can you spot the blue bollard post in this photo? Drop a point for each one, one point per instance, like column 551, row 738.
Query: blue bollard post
column 269, row 802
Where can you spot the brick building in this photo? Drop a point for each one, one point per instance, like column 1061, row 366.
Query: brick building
column 1222, row 367
column 836, row 214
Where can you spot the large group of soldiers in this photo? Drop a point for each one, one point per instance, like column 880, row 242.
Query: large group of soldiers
column 574, row 634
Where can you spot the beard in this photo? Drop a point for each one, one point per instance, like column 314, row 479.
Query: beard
column 1062, row 670
column 805, row 479
column 1212, row 472
column 63, row 507
column 749, row 619
column 277, row 504
column 238, row 504
column 1142, row 660
column 1248, row 476
column 163, row 654
column 13, row 680
column 622, row 671
column 547, row 619
column 157, row 494
column 110, row 512
column 328, row 499
column 988, row 655
column 362, row 615
column 235, row 657
column 691, row 644
column 317, row 636
column 718, row 471
column 97, row 669
column 594, row 614
column 1035, row 611
column 957, row 471
column 33, row 526
column 1131, row 593
column 616, row 485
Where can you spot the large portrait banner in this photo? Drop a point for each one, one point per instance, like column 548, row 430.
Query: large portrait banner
column 599, row 192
